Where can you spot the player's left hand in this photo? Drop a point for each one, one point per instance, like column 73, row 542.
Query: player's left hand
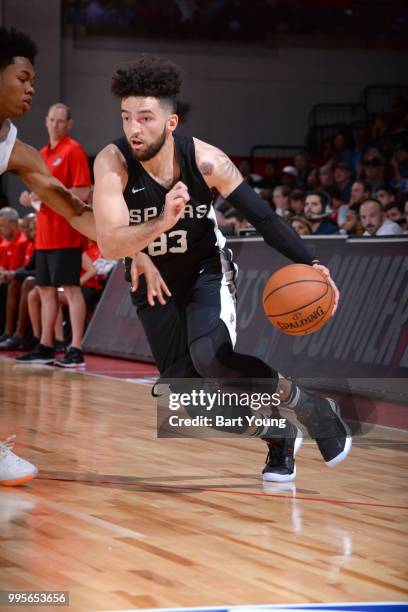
column 156, row 287
column 326, row 273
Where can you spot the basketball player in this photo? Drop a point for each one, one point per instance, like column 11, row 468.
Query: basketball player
column 162, row 183
column 17, row 54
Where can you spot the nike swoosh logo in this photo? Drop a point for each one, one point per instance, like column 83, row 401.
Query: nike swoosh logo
column 136, row 190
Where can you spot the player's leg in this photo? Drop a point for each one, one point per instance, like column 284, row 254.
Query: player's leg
column 211, row 321
column 44, row 352
column 322, row 419
column 13, row 299
column 67, row 275
column 212, row 354
column 18, row 340
column 34, row 311
column 165, row 329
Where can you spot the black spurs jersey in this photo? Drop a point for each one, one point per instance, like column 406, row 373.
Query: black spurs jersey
column 178, row 252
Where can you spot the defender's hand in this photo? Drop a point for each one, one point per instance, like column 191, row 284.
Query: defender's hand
column 176, row 199
column 326, row 273
column 156, row 287
column 25, row 199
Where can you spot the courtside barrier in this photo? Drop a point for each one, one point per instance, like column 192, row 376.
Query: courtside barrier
column 367, row 338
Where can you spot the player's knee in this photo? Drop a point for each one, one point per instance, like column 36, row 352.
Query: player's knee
column 210, row 361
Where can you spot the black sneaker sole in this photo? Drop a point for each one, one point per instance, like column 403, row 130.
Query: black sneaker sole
column 272, row 477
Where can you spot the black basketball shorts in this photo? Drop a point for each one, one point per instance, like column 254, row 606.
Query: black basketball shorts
column 193, row 311
column 58, row 267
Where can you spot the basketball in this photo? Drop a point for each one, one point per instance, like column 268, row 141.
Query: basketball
column 298, row 300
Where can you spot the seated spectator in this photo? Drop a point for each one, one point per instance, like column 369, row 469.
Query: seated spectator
column 301, row 226
column 16, row 251
column 95, row 269
column 352, row 224
column 297, row 201
column 342, row 180
column 300, row 162
column 341, row 150
column 290, row 177
column 318, row 211
column 328, row 150
column 394, row 212
column 385, row 194
column 313, row 180
column 378, row 129
column 244, row 166
column 361, row 137
column 374, row 221
column 360, row 191
column 270, row 177
column 326, row 176
column 236, row 220
column 399, row 164
column 3, row 249
column 281, row 199
column 335, row 197
column 18, row 243
column 19, row 284
column 21, row 338
column 373, row 171
column 23, row 223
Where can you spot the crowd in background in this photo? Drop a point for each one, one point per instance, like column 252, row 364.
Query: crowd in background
column 356, row 184
column 51, row 277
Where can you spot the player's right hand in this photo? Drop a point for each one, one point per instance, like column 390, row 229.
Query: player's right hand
column 175, row 201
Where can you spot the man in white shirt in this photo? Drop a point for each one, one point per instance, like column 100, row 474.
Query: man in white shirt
column 375, row 222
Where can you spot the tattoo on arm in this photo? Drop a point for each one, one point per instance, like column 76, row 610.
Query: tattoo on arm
column 206, row 168
column 227, row 169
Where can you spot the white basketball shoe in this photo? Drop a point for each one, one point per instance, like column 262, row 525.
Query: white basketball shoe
column 14, row 471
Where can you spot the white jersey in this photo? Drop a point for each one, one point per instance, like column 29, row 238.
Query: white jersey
column 8, row 135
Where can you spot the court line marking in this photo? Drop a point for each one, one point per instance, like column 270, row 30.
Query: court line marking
column 170, row 488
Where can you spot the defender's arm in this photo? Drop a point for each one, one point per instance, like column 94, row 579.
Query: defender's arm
column 27, row 163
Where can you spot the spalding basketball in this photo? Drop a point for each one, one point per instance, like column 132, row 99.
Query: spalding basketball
column 298, row 300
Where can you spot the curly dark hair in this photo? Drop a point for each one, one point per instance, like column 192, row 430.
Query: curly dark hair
column 150, row 75
column 15, row 44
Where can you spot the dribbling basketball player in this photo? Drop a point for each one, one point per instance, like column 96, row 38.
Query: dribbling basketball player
column 162, row 183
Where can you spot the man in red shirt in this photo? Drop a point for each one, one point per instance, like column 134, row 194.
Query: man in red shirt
column 14, row 251
column 58, row 245
column 20, row 282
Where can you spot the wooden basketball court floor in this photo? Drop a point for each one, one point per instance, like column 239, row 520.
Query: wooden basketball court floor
column 123, row 520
